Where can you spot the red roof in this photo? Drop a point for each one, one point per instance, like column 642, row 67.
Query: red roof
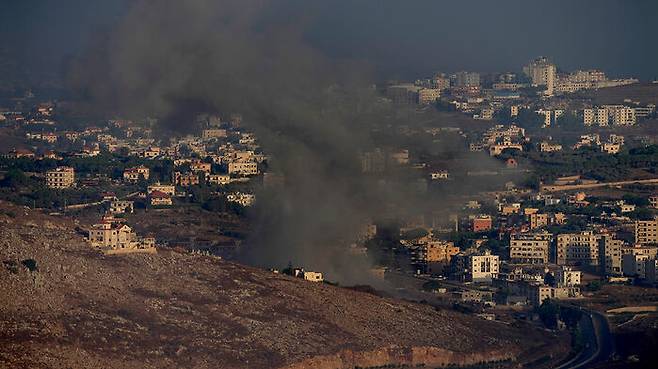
column 159, row 195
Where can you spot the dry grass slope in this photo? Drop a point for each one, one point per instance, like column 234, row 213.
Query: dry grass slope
column 82, row 309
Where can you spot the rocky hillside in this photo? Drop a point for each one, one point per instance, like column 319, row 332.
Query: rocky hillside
column 67, row 306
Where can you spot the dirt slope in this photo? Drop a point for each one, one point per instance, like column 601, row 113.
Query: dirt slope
column 81, row 309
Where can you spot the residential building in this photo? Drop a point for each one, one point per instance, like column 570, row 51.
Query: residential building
column 244, row 199
column 428, row 96
column 549, row 147
column 538, row 220
column 111, row 234
column 213, row 133
column 134, row 174
column 312, row 276
column 646, row 232
column 466, row 79
column 596, row 116
column 186, row 179
column 543, row 73
column 60, row 178
column 219, row 179
column 634, row 264
column 245, row 168
column 475, row 266
column 530, row 248
column 164, row 188
column 577, row 248
column 567, row 277
column 158, row 198
column 651, row 271
column 653, row 201
column 442, row 174
column 115, row 238
column 121, row 207
column 610, row 255
column 199, row 166
column 481, row 223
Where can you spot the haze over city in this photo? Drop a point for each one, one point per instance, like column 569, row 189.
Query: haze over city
column 347, row 184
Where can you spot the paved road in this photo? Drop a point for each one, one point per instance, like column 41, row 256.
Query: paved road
column 559, row 188
column 599, row 342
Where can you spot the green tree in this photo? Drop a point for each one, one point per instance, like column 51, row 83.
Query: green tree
column 548, row 313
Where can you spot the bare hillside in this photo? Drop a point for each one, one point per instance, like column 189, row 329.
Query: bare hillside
column 67, row 306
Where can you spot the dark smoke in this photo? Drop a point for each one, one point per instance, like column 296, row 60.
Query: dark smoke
column 312, row 114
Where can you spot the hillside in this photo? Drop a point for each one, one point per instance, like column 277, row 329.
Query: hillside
column 73, row 307
column 645, row 93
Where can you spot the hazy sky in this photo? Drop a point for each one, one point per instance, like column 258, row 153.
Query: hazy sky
column 398, row 37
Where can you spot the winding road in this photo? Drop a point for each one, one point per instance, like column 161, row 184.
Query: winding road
column 599, row 342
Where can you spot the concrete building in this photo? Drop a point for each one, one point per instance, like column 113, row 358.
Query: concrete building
column 111, row 234
column 530, row 248
column 577, row 248
column 481, row 223
column 475, row 267
column 546, row 146
column 121, row 207
column 428, row 96
column 466, row 79
column 245, row 168
column 219, row 179
column 567, row 277
column 199, row 166
column 158, row 198
column 312, row 276
column 186, row 179
column 60, row 178
column 634, row 265
column 538, row 220
column 115, row 238
column 610, row 255
column 596, row 117
column 653, row 201
column 134, row 174
column 164, row 188
column 646, row 232
column 213, row 133
column 543, row 73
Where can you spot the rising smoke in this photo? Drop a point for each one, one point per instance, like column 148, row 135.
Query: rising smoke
column 312, row 114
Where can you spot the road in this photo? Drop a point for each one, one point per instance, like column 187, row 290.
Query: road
column 549, row 188
column 599, row 342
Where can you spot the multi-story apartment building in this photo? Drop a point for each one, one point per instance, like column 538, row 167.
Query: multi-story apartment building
column 574, row 248
column 530, row 248
column 646, row 232
column 621, row 115
column 538, row 220
column 610, row 255
column 543, row 73
column 466, row 79
column 475, row 266
column 246, row 168
column 213, row 133
column 60, row 178
column 596, row 117
column 428, row 96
